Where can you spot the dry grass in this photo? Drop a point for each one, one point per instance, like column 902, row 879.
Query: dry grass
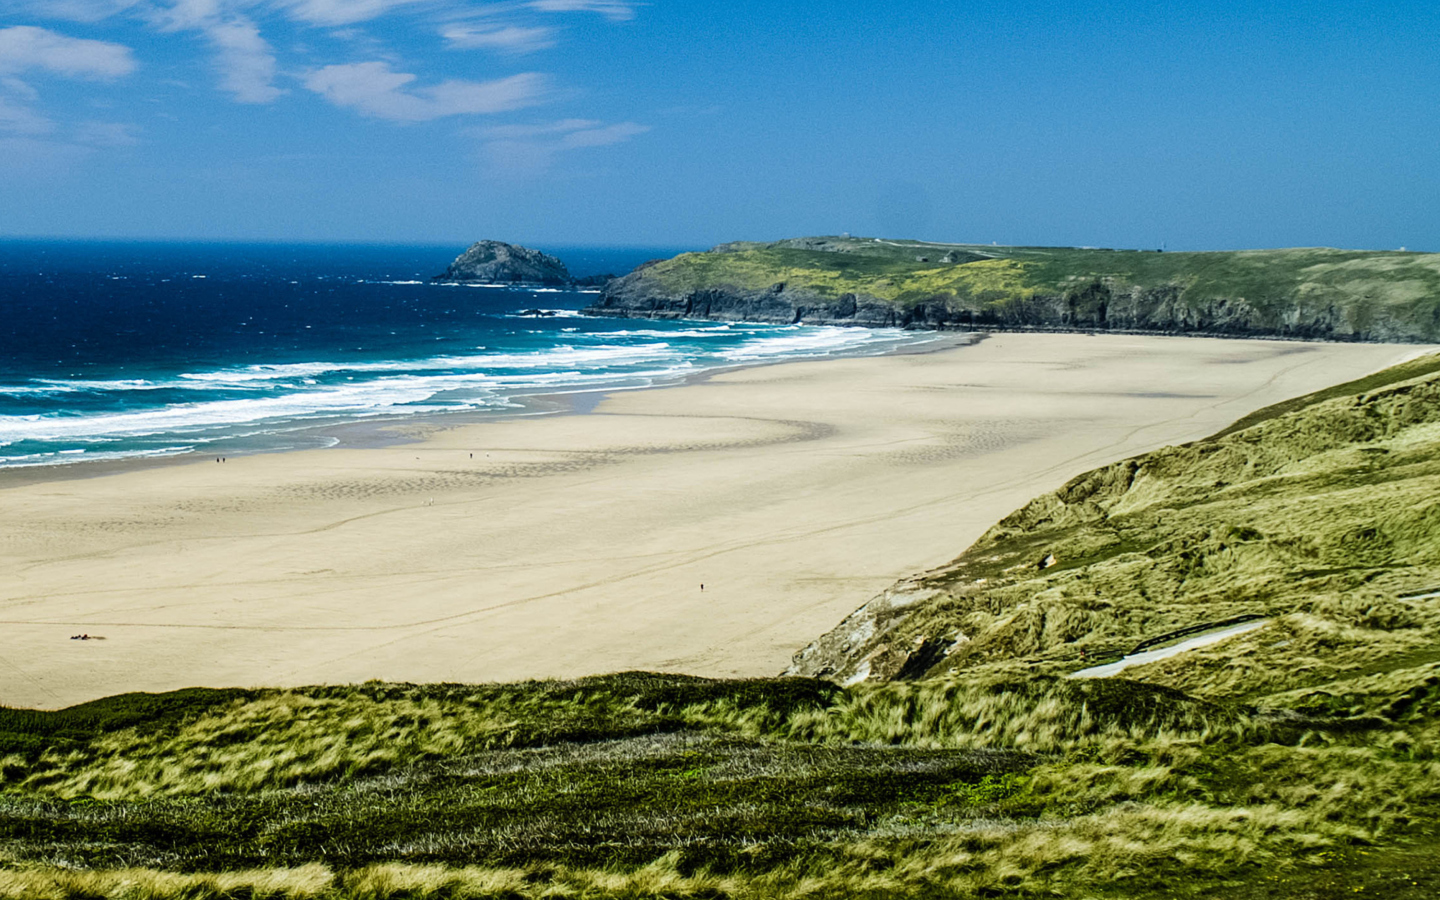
column 1036, row 715
column 301, row 883
column 286, row 738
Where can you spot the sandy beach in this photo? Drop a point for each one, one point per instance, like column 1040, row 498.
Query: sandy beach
column 577, row 544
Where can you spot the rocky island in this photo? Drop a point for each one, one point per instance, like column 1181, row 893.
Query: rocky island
column 496, row 262
column 1304, row 293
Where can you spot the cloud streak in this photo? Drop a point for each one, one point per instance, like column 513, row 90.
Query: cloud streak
column 28, row 50
column 106, row 134
column 374, row 89
column 17, row 117
column 505, row 38
column 244, row 60
column 529, row 150
column 613, row 10
column 77, row 10
column 342, row 12
column 236, row 35
column 24, row 48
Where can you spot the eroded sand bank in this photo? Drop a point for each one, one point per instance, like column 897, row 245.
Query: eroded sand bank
column 577, row 544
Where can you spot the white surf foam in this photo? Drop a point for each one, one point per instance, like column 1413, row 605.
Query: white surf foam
column 812, row 341
column 279, row 396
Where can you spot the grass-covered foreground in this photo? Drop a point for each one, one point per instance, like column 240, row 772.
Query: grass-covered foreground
column 641, row 785
column 1296, row 761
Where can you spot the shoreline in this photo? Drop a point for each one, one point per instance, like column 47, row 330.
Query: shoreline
column 382, row 428
column 563, row 545
column 386, row 430
column 1027, row 329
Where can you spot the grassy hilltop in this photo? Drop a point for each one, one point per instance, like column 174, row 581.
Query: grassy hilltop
column 1296, row 761
column 1307, row 292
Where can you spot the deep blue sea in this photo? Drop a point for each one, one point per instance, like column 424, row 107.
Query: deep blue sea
column 111, row 350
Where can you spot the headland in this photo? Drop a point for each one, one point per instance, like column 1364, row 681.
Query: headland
column 1308, row 293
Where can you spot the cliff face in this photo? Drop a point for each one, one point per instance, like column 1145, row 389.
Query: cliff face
column 1096, row 308
column 496, row 262
column 1309, row 294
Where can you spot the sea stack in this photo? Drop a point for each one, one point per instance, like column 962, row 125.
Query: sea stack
column 496, row 262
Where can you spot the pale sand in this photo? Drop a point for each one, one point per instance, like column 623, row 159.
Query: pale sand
column 577, row 544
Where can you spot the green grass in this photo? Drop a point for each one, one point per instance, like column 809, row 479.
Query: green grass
column 1301, row 760
column 691, row 788
column 29, row 731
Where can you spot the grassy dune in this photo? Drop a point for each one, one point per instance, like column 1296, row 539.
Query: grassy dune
column 1321, row 513
column 1298, row 760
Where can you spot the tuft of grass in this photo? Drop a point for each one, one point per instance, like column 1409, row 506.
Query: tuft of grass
column 308, row 882
column 1041, row 714
column 193, row 742
column 29, row 730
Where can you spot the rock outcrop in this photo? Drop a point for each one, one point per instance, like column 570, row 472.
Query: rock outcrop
column 495, row 262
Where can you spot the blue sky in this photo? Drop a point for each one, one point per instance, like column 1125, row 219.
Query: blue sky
column 1195, row 126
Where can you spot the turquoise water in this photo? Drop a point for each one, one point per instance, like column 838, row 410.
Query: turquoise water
column 112, row 350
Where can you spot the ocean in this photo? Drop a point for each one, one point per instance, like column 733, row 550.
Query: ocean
column 111, row 350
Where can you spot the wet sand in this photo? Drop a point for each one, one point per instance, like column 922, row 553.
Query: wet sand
column 577, row 544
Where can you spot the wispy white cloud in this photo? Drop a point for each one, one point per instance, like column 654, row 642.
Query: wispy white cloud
column 528, row 150
column 374, row 89
column 506, row 38
column 614, row 10
column 25, row 47
column 314, row 12
column 185, row 15
column 32, row 145
column 24, row 156
column 106, row 134
column 342, row 12
column 18, row 117
column 16, row 88
column 238, row 35
column 77, row 10
column 569, row 133
column 244, row 59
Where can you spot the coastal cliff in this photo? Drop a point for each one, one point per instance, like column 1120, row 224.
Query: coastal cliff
column 1308, row 293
